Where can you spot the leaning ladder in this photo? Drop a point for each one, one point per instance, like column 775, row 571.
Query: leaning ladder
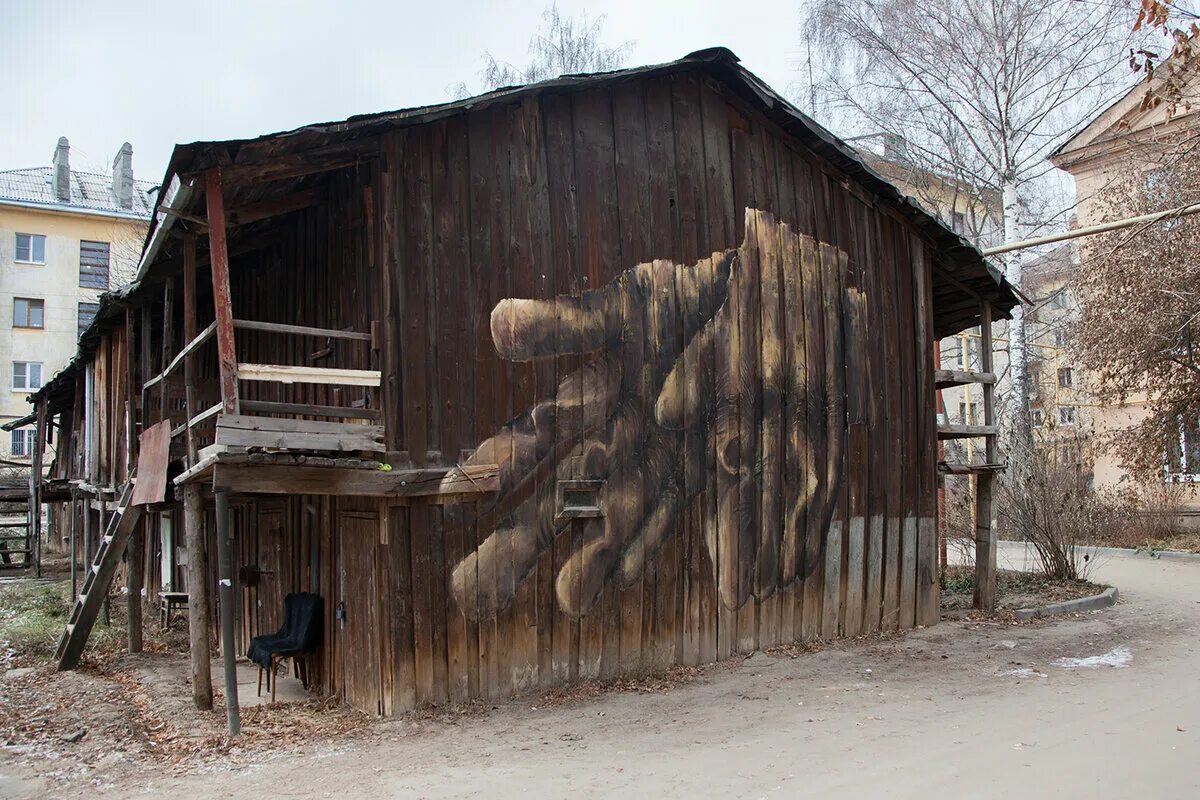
column 96, row 584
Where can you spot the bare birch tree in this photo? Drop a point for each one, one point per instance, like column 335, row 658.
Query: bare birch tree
column 980, row 90
column 562, row 45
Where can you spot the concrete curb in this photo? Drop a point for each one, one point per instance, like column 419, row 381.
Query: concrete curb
column 1122, row 552
column 1094, row 603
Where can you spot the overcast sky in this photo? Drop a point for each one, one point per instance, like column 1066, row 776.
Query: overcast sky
column 154, row 74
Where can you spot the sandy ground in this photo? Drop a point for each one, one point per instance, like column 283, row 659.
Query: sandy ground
column 962, row 709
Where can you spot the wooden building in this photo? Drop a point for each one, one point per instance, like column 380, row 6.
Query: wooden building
column 583, row 378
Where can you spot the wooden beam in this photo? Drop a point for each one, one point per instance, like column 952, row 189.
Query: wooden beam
column 296, row 165
column 946, row 378
column 303, row 479
column 286, row 204
column 965, row 431
column 207, row 413
column 305, row 410
column 219, row 256
column 286, row 374
column 284, row 433
column 299, row 330
column 968, row 469
column 985, row 529
column 225, row 591
column 189, row 335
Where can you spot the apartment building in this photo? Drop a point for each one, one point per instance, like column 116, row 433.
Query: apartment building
column 66, row 236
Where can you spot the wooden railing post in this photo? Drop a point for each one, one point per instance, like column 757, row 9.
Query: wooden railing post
column 219, row 258
column 189, row 333
column 985, row 532
column 227, row 359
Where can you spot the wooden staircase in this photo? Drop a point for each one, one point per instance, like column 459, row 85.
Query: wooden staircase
column 96, row 583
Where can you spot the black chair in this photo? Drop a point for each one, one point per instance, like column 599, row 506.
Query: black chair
column 299, row 636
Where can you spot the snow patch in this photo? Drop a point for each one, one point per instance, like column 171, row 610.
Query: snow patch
column 1116, row 658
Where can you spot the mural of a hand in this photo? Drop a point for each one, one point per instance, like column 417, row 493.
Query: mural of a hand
column 683, row 354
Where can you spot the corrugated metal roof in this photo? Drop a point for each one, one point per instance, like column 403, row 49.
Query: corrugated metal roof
column 89, row 190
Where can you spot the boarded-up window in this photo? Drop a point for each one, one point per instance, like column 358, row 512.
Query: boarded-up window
column 93, row 265
column 87, row 313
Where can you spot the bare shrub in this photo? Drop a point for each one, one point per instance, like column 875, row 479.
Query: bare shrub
column 1050, row 504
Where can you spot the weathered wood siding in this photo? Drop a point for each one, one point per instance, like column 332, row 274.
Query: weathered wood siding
column 756, row 403
column 560, row 196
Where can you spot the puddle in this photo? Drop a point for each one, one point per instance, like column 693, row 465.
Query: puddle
column 1117, row 658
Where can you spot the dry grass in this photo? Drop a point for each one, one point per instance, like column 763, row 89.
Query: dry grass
column 1014, row 589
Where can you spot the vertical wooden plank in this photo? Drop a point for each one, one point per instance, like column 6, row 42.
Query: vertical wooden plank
column 189, row 333
column 877, row 423
column 599, row 234
column 928, row 594
column 450, row 275
column 635, row 598
column 911, row 433
column 697, row 639
column 524, row 142
column 664, row 632
column 560, row 182
column 894, row 406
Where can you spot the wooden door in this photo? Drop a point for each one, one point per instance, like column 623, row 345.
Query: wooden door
column 357, row 614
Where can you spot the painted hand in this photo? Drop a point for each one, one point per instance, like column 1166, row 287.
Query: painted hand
column 697, row 383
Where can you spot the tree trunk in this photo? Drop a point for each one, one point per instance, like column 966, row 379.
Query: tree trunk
column 1017, row 352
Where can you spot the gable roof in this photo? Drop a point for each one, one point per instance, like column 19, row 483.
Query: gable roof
column 90, row 191
column 961, row 271
column 1121, row 120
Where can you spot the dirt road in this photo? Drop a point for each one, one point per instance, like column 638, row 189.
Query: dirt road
column 961, row 709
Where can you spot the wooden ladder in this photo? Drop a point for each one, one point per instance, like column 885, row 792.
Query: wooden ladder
column 16, row 544
column 96, row 583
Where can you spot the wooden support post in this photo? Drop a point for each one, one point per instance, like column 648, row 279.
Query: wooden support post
column 85, row 505
column 168, row 336
column 74, row 548
column 219, row 261
column 943, row 556
column 34, row 532
column 189, row 333
column 225, row 581
column 985, row 532
column 198, row 609
column 134, row 580
column 103, row 528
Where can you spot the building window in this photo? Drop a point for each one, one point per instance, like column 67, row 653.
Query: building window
column 967, row 413
column 26, row 376
column 21, row 442
column 1037, row 417
column 1059, row 299
column 31, row 248
column 1060, row 338
column 1066, row 415
column 958, row 222
column 28, row 313
column 972, row 352
column 87, row 313
column 93, row 265
column 1183, row 454
column 1064, row 378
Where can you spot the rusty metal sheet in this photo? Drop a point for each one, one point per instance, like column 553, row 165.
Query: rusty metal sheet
column 154, row 452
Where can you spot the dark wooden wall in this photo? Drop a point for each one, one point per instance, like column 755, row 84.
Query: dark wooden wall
column 561, row 195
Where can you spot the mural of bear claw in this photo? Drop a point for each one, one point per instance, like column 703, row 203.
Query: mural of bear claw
column 720, row 382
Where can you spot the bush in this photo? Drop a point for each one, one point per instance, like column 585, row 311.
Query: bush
column 1047, row 501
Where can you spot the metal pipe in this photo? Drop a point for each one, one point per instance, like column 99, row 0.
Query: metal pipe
column 225, row 581
column 1103, row 227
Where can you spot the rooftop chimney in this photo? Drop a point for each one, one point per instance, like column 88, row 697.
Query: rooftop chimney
column 62, row 170
column 123, row 176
